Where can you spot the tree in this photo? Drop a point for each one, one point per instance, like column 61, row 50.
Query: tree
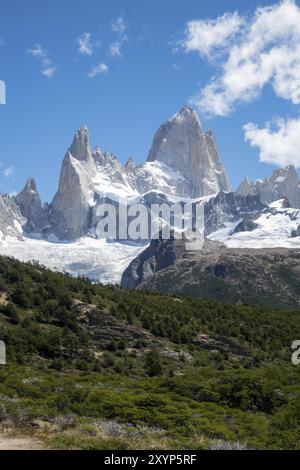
column 153, row 365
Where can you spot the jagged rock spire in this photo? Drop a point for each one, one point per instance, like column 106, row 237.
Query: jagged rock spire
column 69, row 210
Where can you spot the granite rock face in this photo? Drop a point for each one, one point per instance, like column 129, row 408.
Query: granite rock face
column 70, row 208
column 182, row 144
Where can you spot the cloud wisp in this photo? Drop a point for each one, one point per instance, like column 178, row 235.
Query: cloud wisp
column 48, row 69
column 98, row 69
column 119, row 27
column 85, row 44
column 9, row 172
column 248, row 54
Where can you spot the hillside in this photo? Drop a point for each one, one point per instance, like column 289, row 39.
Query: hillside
column 97, row 367
column 267, row 277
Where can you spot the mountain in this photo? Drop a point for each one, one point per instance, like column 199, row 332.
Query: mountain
column 284, row 182
column 183, row 166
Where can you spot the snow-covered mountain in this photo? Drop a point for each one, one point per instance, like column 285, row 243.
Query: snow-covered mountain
column 183, row 165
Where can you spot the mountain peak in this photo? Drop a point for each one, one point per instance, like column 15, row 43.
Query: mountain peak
column 80, row 148
column 30, row 185
column 30, row 205
column 187, row 109
column 246, row 187
column 187, row 115
column 181, row 144
column 129, row 164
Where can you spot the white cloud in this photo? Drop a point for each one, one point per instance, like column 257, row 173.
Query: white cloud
column 85, row 44
column 98, row 69
column 119, row 25
column 9, row 172
column 48, row 69
column 278, row 142
column 204, row 36
column 266, row 50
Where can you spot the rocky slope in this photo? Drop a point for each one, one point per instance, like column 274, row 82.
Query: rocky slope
column 159, row 255
column 269, row 277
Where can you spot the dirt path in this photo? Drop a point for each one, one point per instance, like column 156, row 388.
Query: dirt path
column 14, row 443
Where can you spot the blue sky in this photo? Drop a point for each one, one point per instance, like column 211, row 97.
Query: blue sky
column 136, row 68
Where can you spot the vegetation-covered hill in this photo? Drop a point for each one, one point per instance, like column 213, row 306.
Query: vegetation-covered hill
column 92, row 366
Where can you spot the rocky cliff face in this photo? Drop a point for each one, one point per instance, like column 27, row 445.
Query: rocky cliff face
column 182, row 144
column 284, row 183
